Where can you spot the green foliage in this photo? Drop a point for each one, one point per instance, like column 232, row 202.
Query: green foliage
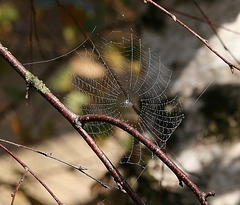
column 70, row 35
column 61, row 80
column 8, row 13
column 75, row 100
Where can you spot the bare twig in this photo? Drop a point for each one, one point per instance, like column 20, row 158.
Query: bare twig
column 77, row 121
column 32, row 173
column 204, row 41
column 78, row 168
column 72, row 118
column 210, row 23
column 18, row 186
column 152, row 147
column 203, row 20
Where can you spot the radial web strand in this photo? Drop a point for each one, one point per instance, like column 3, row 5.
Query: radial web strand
column 122, row 79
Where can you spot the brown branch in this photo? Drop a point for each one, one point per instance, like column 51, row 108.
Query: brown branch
column 18, row 186
column 72, row 118
column 210, row 23
column 78, row 168
column 202, row 20
column 32, row 173
column 152, row 147
column 77, row 121
column 204, row 41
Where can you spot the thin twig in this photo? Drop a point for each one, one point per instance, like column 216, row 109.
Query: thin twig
column 18, row 186
column 77, row 121
column 72, row 118
column 32, row 173
column 210, row 23
column 78, row 168
column 203, row 20
column 90, row 44
column 204, row 41
column 152, row 147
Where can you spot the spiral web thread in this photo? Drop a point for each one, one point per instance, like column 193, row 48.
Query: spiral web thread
column 130, row 84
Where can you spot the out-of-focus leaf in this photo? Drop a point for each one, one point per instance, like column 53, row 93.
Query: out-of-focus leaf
column 70, row 34
column 84, row 66
column 8, row 13
column 61, row 80
column 75, row 99
column 117, row 61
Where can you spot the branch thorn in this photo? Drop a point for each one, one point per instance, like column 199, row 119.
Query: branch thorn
column 210, row 194
column 82, row 168
column 180, row 182
column 121, row 188
column 231, row 68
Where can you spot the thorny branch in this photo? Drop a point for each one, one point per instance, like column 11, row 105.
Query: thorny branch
column 77, row 121
column 204, row 41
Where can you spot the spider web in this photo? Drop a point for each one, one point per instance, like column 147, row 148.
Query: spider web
column 124, row 80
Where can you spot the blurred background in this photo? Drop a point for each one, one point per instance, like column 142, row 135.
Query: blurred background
column 206, row 144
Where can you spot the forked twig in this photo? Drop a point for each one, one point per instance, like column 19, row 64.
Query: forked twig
column 210, row 23
column 32, row 173
column 78, row 168
column 72, row 118
column 203, row 20
column 77, row 121
column 152, row 147
column 204, row 41
column 18, row 185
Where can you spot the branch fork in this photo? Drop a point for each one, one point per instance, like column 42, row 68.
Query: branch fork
column 78, row 122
